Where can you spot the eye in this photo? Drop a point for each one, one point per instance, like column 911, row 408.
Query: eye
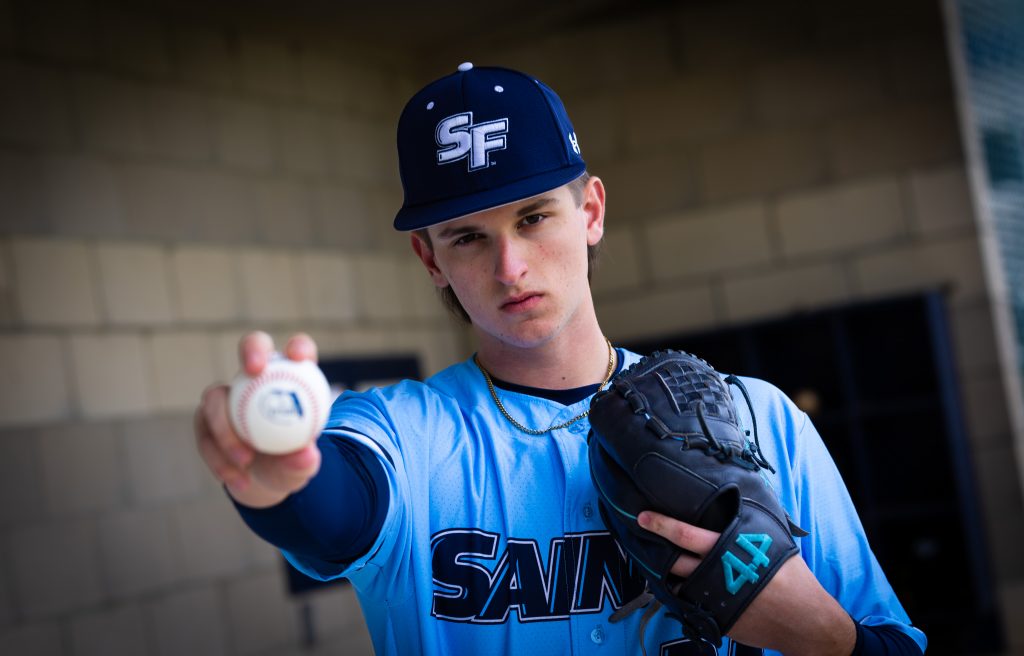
column 532, row 219
column 466, row 239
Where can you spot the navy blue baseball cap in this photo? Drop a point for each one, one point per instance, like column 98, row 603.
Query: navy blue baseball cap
column 480, row 138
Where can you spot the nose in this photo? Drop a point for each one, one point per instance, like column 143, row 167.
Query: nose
column 510, row 266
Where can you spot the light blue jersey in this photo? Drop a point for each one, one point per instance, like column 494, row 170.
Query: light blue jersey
column 493, row 542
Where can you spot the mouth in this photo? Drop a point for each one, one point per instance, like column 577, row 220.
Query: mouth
column 522, row 302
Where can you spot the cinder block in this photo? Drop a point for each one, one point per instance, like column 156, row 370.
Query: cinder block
column 82, row 469
column 645, row 185
column 198, row 609
column 260, row 616
column 210, row 534
column 134, row 42
column 82, row 197
column 112, row 376
column 330, row 281
column 134, row 280
column 302, row 138
column 916, row 67
column 21, row 477
column 38, row 639
column 206, row 282
column 817, row 85
column 841, row 218
column 419, row 290
column 180, row 124
column 974, row 338
column 53, row 282
column 260, row 553
column 184, row 365
column 283, row 213
column 781, row 291
column 270, row 289
column 709, row 241
column 894, row 140
column 34, row 386
column 22, row 194
column 696, row 107
column 112, row 114
column 954, row 264
column 941, row 200
column 986, row 412
column 159, row 202
column 162, row 460
column 35, row 110
column 342, row 218
column 59, row 29
column 224, row 207
column 118, row 631
column 326, row 80
column 378, row 280
column 226, row 351
column 359, row 150
column 7, row 608
column 203, row 57
column 243, row 131
column 7, row 31
column 56, row 568
column 618, row 263
column 657, row 312
column 596, row 119
column 137, row 552
column 760, row 163
column 446, row 346
column 267, row 66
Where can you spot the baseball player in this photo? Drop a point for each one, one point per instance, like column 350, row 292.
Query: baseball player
column 462, row 507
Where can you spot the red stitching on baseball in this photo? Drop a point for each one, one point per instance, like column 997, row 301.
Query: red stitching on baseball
column 266, row 377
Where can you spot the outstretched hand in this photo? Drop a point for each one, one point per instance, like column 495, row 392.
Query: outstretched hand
column 793, row 614
column 254, row 479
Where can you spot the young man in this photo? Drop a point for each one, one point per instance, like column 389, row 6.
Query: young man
column 462, row 507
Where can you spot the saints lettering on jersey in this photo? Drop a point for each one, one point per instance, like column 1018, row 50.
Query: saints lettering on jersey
column 477, row 584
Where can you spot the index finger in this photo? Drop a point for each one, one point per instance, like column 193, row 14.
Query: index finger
column 254, row 351
column 692, row 538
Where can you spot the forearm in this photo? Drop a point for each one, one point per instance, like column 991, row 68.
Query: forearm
column 337, row 516
column 796, row 616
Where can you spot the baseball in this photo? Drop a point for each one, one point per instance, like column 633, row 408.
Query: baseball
column 282, row 409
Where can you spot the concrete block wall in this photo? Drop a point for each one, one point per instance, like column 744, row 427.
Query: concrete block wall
column 764, row 160
column 169, row 182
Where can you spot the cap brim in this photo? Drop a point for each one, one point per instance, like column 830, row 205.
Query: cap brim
column 426, row 215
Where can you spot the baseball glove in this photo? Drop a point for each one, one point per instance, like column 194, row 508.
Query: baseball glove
column 665, row 437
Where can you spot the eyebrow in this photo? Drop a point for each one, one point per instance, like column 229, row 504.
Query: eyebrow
column 525, row 210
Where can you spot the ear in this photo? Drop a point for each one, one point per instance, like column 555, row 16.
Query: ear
column 593, row 207
column 426, row 255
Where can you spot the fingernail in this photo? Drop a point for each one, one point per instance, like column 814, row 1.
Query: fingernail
column 252, row 361
column 643, row 519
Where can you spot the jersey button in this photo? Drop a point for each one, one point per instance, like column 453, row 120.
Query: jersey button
column 588, row 510
column 597, row 635
column 578, row 427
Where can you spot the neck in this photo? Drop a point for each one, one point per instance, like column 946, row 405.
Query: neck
column 572, row 358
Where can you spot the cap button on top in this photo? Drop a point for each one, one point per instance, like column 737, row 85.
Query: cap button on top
column 465, row 66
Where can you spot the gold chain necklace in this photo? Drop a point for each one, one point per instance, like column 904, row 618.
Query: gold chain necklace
column 533, row 431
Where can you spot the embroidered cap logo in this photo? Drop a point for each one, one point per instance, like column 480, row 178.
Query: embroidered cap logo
column 459, row 138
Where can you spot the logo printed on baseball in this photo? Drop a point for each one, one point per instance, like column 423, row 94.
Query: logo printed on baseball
column 282, row 409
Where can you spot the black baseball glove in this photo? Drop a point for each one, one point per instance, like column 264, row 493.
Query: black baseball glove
column 665, row 437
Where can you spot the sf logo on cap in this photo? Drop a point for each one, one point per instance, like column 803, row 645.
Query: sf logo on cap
column 458, row 137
